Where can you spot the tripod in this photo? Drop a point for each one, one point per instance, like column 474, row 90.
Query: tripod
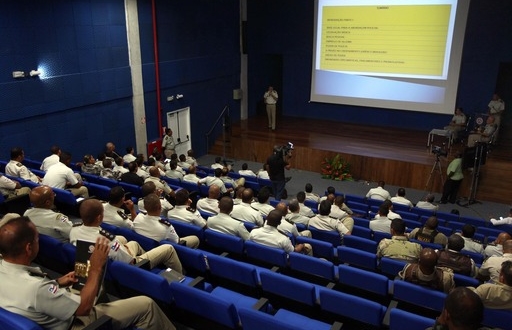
column 480, row 152
column 436, row 168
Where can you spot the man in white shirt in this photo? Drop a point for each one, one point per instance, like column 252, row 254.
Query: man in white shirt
column 129, row 157
column 61, row 176
column 91, row 212
column 245, row 171
column 191, row 175
column 323, row 221
column 113, row 211
column 150, row 188
column 304, row 210
column 244, row 211
column 210, row 204
column 289, row 227
column 159, row 183
column 400, row 198
column 156, row 228
column 47, row 221
column 173, row 172
column 428, row 203
column 224, row 223
column 183, row 212
column 52, row 159
column 379, row 193
column 119, row 168
column 468, row 231
column 310, row 195
column 215, row 180
column 262, row 204
column 190, row 158
column 270, row 236
column 294, row 213
column 503, row 221
column 381, row 222
column 217, row 163
column 11, row 188
column 17, row 169
column 496, row 248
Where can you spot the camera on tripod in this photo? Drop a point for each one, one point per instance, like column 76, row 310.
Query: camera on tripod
column 284, row 151
column 439, row 151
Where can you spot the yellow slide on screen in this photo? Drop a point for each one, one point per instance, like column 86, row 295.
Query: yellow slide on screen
column 401, row 39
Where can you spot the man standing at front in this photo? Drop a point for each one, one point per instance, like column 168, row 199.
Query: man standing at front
column 270, row 98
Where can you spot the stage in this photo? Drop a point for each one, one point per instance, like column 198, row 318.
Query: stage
column 398, row 156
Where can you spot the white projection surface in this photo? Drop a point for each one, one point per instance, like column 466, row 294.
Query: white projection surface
column 395, row 54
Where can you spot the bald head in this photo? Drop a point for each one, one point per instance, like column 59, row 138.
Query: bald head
column 502, row 237
column 214, row 191
column 247, row 195
column 282, row 207
column 154, row 171
column 226, row 205
column 428, row 260
column 91, row 212
column 507, row 246
column 42, row 197
column 431, row 223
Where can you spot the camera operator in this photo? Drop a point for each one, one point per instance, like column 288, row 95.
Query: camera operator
column 276, row 163
column 453, row 180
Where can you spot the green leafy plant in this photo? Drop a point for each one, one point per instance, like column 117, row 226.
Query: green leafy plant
column 336, row 168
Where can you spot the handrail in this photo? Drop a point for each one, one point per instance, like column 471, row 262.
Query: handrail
column 221, row 115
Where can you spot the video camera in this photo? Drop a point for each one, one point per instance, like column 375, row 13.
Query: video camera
column 439, row 151
column 284, row 151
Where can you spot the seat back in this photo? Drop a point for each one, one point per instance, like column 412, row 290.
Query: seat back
column 497, row 318
column 130, row 278
column 403, row 320
column 321, row 249
column 423, row 212
column 186, row 229
column 331, row 236
column 193, row 260
column 234, row 271
column 356, row 198
column 362, row 232
column 288, row 288
column 312, row 266
column 203, row 304
column 477, row 257
column 359, row 243
column 418, row 295
column 51, row 255
column 224, row 242
column 363, row 280
column 266, row 255
column 13, row 321
column 354, row 257
column 378, row 236
column 255, row 320
column 391, row 267
column 353, row 307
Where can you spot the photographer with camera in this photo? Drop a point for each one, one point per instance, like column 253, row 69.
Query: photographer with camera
column 453, row 180
column 276, row 165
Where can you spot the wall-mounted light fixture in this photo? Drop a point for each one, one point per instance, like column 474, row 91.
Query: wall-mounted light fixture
column 24, row 74
column 172, row 97
column 179, row 96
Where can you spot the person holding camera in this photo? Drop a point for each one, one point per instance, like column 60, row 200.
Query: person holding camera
column 453, row 180
column 277, row 163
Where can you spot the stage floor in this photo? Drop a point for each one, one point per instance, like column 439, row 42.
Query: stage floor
column 398, row 156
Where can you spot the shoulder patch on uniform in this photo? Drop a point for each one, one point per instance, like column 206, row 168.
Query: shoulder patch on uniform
column 19, row 164
column 53, row 289
column 107, row 234
column 122, row 214
column 61, row 217
column 115, row 246
column 165, row 222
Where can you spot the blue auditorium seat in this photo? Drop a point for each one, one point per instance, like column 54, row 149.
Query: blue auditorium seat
column 205, row 305
column 419, row 296
column 363, row 280
column 194, row 261
column 359, row 243
column 53, row 256
column 283, row 320
column 356, row 199
column 378, row 236
column 361, row 222
column 427, row 245
column 13, row 321
column 224, row 242
column 477, row 257
column 232, row 274
column 423, row 212
column 362, row 232
column 266, row 255
column 391, row 267
column 146, row 242
column 186, row 229
column 354, row 257
column 446, row 216
column 497, row 318
column 352, row 307
column 403, row 320
column 463, row 280
column 321, row 249
column 316, row 267
column 331, row 236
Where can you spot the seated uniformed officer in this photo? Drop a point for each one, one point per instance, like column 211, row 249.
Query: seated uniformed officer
column 17, row 169
column 183, row 212
column 270, row 236
column 398, row 247
column 47, row 221
column 26, row 290
column 91, row 212
column 113, row 210
column 154, row 227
